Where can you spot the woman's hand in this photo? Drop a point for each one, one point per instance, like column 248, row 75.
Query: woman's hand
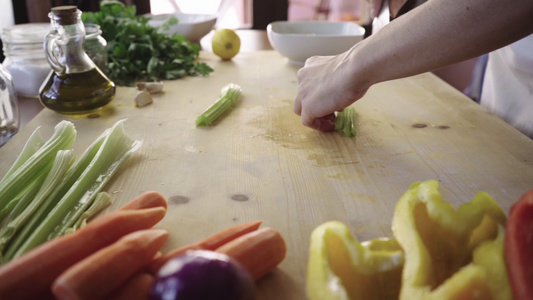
column 326, row 84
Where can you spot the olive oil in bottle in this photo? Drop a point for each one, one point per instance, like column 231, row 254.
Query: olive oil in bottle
column 75, row 85
column 77, row 93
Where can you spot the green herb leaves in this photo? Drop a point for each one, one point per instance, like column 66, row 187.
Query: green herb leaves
column 137, row 51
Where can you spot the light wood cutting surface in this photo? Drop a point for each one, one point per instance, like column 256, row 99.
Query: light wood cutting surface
column 259, row 162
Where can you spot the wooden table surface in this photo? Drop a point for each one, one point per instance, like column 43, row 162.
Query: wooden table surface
column 259, row 162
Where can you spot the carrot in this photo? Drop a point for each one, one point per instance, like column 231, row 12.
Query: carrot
column 100, row 274
column 259, row 252
column 210, row 243
column 30, row 275
column 147, row 200
column 137, row 288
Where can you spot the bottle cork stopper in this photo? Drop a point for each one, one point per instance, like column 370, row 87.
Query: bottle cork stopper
column 65, row 15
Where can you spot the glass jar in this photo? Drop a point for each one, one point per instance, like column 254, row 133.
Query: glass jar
column 96, row 46
column 25, row 58
column 9, row 114
column 76, row 85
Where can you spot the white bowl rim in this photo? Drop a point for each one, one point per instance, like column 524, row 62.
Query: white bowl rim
column 352, row 24
column 161, row 17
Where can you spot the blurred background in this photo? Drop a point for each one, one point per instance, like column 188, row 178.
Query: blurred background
column 235, row 14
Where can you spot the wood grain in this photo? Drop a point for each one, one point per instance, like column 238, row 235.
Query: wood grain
column 259, row 162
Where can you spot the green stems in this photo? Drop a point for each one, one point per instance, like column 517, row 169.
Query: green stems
column 115, row 149
column 229, row 95
column 41, row 161
column 58, row 193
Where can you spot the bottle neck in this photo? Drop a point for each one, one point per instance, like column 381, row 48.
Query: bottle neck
column 70, row 51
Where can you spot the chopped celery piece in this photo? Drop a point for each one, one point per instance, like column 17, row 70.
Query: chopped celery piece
column 19, row 217
column 345, row 121
column 229, row 95
column 115, row 149
column 41, row 161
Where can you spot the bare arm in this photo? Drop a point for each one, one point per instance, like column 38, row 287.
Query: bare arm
column 436, row 34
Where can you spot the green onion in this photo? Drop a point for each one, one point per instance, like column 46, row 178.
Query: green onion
column 345, row 121
column 229, row 95
column 115, row 148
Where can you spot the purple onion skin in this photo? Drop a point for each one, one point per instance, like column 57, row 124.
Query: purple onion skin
column 202, row 275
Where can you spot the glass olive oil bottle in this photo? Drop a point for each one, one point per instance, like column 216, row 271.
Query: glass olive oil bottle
column 75, row 85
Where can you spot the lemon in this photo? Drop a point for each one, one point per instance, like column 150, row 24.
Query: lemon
column 226, row 43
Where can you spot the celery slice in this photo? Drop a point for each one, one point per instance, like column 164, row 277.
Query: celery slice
column 346, row 121
column 63, row 138
column 115, row 149
column 63, row 160
column 229, row 95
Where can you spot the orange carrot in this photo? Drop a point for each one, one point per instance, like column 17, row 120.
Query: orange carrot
column 259, row 252
column 30, row 275
column 147, row 200
column 210, row 243
column 137, row 288
column 103, row 272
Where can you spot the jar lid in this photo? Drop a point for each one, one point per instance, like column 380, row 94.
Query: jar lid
column 31, row 33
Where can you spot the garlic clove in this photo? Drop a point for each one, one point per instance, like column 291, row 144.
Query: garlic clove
column 143, row 98
column 150, row 87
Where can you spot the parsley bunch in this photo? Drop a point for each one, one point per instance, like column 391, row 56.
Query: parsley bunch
column 137, row 51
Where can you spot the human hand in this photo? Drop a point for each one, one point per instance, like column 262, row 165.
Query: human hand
column 326, row 84
column 394, row 7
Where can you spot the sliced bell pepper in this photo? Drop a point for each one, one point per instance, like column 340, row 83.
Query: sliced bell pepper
column 342, row 268
column 450, row 254
column 519, row 247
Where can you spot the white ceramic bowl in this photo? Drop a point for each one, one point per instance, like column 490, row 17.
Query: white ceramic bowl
column 300, row 40
column 192, row 26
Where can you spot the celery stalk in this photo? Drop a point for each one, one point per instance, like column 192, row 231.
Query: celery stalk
column 115, row 149
column 34, row 143
column 63, row 160
column 101, row 201
column 63, row 138
column 68, row 181
column 229, row 95
column 19, row 203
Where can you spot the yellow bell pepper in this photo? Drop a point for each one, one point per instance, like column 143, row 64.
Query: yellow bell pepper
column 450, row 254
column 342, row 268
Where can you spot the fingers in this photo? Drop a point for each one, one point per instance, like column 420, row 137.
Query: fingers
column 297, row 106
column 326, row 123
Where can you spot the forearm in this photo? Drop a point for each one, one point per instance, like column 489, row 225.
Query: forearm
column 440, row 33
